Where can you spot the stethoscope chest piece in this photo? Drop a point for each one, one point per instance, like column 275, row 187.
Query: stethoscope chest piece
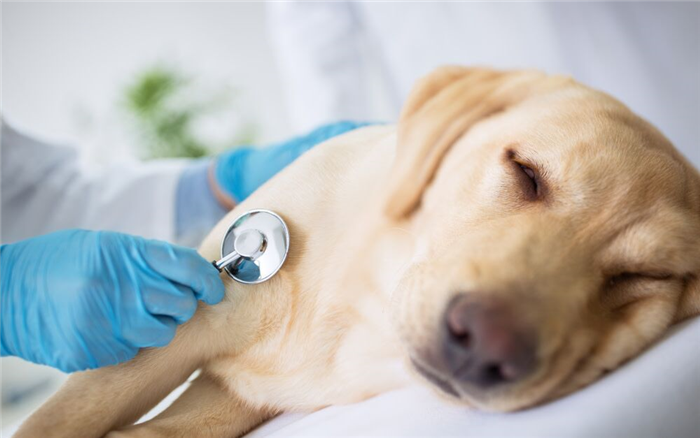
column 254, row 247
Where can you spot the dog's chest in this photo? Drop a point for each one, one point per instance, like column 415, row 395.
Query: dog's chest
column 346, row 355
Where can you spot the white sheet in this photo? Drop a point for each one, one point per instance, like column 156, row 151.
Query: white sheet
column 655, row 395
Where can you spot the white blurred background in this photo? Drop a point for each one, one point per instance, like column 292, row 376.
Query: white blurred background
column 285, row 68
column 66, row 65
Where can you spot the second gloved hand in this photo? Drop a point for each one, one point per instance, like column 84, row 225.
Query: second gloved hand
column 241, row 171
column 80, row 299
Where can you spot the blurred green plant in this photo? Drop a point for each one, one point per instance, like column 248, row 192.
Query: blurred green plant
column 167, row 108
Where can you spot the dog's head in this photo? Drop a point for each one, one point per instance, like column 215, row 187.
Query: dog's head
column 556, row 234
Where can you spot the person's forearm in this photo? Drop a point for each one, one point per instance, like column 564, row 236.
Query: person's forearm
column 197, row 208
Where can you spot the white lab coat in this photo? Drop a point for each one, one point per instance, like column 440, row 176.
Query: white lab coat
column 346, row 60
column 44, row 188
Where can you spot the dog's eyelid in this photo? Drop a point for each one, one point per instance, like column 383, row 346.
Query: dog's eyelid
column 528, row 170
column 634, row 275
column 530, row 174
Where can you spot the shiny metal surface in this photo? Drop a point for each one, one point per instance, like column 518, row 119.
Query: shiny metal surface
column 254, row 247
column 248, row 244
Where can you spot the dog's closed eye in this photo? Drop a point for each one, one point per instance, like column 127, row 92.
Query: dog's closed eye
column 629, row 287
column 628, row 277
column 623, row 278
column 527, row 176
column 532, row 186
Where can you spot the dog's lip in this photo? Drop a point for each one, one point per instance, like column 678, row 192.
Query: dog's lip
column 441, row 383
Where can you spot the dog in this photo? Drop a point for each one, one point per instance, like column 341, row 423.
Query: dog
column 516, row 236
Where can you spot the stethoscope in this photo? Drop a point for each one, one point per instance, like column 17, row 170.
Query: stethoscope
column 254, row 247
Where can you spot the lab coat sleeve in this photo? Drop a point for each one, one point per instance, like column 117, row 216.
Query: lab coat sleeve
column 319, row 52
column 45, row 189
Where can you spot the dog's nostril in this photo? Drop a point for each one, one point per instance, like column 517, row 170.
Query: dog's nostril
column 494, row 372
column 462, row 338
column 509, row 372
column 457, row 327
column 500, row 373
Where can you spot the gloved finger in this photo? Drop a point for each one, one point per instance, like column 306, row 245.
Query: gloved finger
column 187, row 267
column 152, row 331
column 172, row 299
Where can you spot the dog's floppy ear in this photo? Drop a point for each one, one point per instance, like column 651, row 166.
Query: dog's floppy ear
column 441, row 107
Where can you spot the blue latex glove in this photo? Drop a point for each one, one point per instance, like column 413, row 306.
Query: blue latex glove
column 80, row 299
column 241, row 171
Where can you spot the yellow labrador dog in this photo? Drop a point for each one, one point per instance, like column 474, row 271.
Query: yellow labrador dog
column 514, row 238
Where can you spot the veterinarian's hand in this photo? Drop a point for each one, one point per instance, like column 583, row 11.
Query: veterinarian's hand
column 240, row 172
column 80, row 299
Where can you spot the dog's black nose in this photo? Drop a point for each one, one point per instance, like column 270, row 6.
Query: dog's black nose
column 485, row 344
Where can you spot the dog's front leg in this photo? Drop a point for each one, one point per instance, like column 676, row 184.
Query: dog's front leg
column 92, row 403
column 205, row 409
